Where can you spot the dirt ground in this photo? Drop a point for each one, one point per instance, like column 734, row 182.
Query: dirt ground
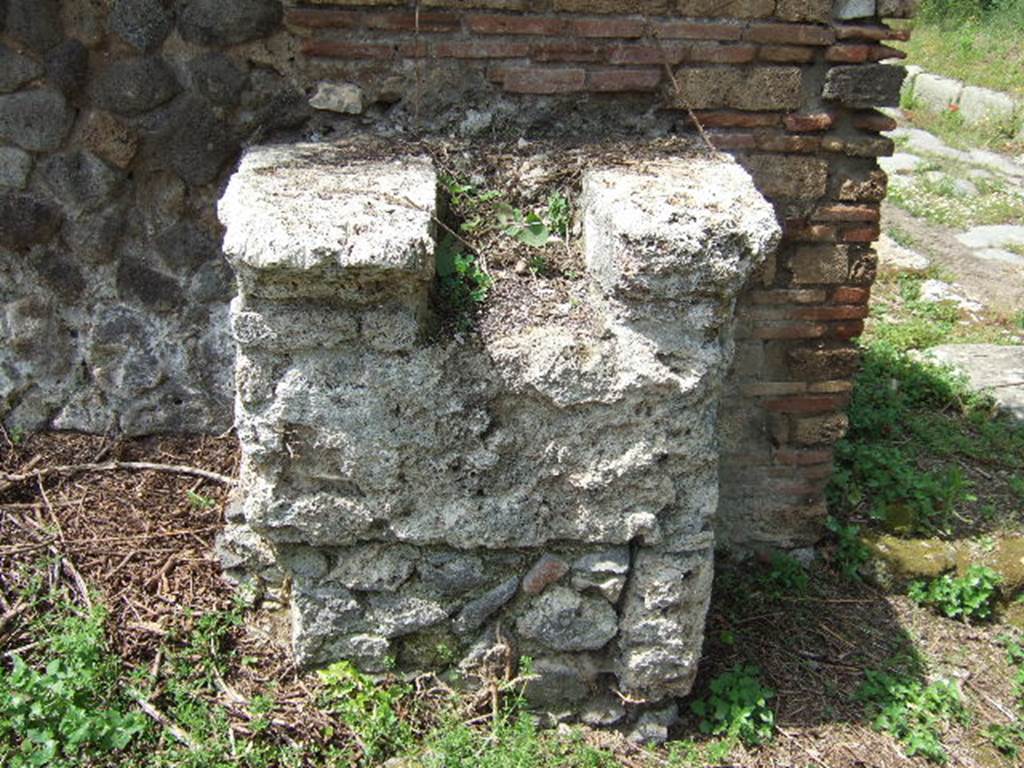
column 997, row 284
column 142, row 542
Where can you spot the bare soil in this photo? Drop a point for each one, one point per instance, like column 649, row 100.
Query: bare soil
column 144, row 549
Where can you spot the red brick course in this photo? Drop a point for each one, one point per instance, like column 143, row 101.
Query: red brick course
column 814, row 158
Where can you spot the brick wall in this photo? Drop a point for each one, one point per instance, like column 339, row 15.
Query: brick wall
column 788, row 87
column 121, row 121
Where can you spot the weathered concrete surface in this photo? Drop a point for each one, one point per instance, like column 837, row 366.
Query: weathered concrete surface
column 980, row 105
column 558, row 480
column 936, row 92
column 996, row 370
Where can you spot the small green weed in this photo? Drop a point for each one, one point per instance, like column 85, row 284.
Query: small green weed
column 901, row 237
column 65, row 709
column 909, row 422
column 464, row 285
column 559, row 214
column 915, row 714
column 529, row 228
column 369, row 710
column 1008, row 739
column 199, row 501
column 937, row 199
column 1017, row 485
column 463, row 193
column 786, row 577
column 851, row 552
column 737, row 706
column 688, row 754
column 969, row 597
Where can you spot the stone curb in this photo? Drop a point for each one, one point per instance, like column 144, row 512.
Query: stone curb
column 976, row 105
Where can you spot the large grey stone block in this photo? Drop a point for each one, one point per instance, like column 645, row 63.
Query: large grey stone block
column 981, row 105
column 936, row 93
column 550, row 481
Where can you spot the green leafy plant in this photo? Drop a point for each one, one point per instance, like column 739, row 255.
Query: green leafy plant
column 911, row 424
column 914, row 713
column 559, row 214
column 529, row 228
column 1008, row 739
column 67, row 708
column 465, row 194
column 787, row 576
column 851, row 552
column 968, row 597
column 369, row 710
column 199, row 501
column 737, row 706
column 464, row 285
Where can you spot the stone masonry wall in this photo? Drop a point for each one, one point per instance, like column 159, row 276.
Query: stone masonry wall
column 120, row 121
column 545, row 491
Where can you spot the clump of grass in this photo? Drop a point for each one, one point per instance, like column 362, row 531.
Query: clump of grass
column 910, row 422
column 977, row 41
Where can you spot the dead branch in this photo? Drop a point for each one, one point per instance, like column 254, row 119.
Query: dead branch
column 176, row 731
column 116, row 466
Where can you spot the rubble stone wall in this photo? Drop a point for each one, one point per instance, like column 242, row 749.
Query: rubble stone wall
column 549, row 489
column 120, row 121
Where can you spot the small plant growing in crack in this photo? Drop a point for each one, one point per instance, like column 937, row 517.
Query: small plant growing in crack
column 464, row 283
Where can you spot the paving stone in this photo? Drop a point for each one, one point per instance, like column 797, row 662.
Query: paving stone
column 937, row 291
column 935, row 92
column 993, row 236
column 892, row 255
column 996, row 162
column 36, row 120
column 1000, row 255
column 981, row 105
column 16, row 69
column 901, row 162
column 995, row 369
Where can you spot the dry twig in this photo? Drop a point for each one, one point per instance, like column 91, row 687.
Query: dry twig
column 116, row 466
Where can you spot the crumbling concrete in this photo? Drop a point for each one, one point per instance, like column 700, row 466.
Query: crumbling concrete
column 551, row 488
